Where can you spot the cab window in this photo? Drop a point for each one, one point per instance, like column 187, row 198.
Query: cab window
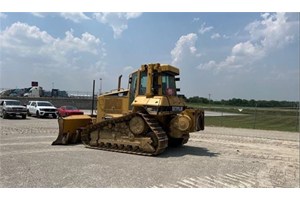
column 143, row 83
column 168, row 85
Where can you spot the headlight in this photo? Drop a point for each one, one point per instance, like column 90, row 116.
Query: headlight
column 184, row 122
column 181, row 122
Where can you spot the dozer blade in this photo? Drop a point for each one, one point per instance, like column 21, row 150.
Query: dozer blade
column 67, row 129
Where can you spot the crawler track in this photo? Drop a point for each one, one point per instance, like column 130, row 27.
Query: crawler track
column 122, row 139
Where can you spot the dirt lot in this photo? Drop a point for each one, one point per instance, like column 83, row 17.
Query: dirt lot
column 216, row 157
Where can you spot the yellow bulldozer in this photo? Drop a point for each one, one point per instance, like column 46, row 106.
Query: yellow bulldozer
column 144, row 119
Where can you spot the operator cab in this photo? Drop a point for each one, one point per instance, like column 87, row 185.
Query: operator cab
column 154, row 85
column 154, row 80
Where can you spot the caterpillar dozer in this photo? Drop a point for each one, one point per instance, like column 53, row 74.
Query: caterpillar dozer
column 144, row 119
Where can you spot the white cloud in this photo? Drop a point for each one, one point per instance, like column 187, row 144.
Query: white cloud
column 36, row 55
column 128, row 69
column 273, row 31
column 225, row 36
column 185, row 48
column 20, row 35
column 38, row 14
column 76, row 17
column 196, row 19
column 205, row 29
column 215, row 36
column 2, row 15
column 117, row 21
column 131, row 15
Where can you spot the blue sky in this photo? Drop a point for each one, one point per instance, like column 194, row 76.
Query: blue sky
column 251, row 55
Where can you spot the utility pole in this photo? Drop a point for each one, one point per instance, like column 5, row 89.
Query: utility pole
column 100, row 89
column 93, row 98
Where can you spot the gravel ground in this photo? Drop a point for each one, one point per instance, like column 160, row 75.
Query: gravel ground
column 216, row 157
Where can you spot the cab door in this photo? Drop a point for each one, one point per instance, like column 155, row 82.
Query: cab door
column 132, row 88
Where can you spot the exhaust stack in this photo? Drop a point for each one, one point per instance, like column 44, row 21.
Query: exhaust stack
column 119, row 83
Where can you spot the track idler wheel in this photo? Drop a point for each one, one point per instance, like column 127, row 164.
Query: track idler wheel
column 137, row 125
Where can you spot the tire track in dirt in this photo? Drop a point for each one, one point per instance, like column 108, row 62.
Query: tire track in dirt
column 234, row 180
column 280, row 158
column 39, row 151
column 26, row 130
column 246, row 139
column 257, row 148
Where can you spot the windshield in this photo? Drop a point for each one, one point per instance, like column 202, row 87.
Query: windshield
column 44, row 104
column 168, row 84
column 13, row 103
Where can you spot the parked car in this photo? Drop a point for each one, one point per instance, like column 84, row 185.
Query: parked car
column 41, row 109
column 65, row 111
column 9, row 107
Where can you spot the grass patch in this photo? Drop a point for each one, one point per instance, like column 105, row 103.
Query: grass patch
column 265, row 122
column 255, row 118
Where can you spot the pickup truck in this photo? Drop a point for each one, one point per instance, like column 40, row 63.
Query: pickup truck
column 10, row 107
column 41, row 109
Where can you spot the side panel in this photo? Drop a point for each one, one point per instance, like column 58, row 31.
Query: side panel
column 111, row 106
